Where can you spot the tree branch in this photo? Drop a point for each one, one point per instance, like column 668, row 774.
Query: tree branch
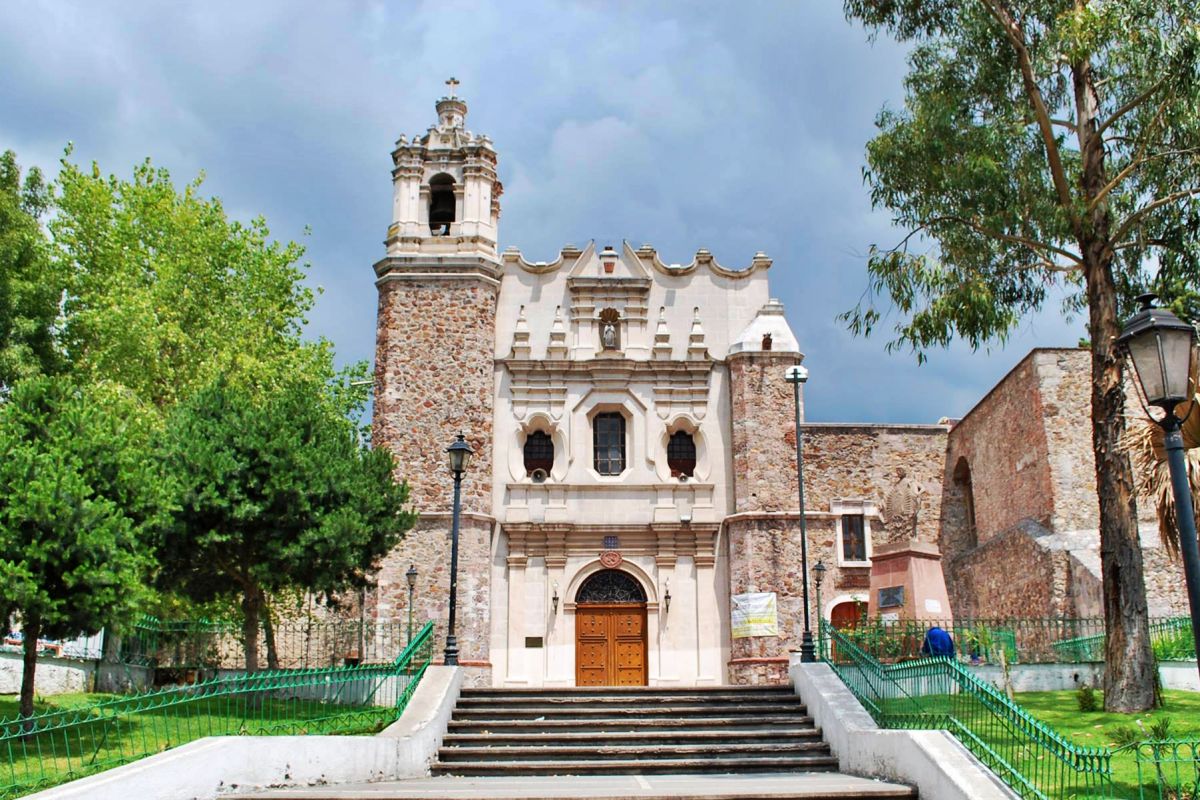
column 1132, row 104
column 1033, row 244
column 1057, row 171
column 1144, row 210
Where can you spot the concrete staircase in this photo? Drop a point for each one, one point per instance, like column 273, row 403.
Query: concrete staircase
column 645, row 731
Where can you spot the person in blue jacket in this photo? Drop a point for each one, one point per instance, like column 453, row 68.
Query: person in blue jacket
column 937, row 643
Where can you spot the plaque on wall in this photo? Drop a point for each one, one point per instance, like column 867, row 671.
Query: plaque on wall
column 891, row 596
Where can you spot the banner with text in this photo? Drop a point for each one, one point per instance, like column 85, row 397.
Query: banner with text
column 754, row 614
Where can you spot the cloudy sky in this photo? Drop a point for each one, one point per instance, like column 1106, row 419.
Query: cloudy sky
column 732, row 126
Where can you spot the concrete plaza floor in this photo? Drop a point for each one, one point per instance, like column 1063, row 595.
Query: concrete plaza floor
column 809, row 786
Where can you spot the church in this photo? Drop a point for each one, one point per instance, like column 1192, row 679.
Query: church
column 630, row 515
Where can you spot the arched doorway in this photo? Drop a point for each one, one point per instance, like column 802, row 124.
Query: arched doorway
column 847, row 615
column 610, row 630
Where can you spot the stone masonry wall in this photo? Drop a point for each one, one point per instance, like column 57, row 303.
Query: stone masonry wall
column 863, row 462
column 434, row 377
column 427, row 547
column 763, row 439
column 1010, row 575
column 1004, row 443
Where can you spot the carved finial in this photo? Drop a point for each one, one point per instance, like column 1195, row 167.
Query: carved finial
column 662, row 336
column 453, row 84
column 697, row 349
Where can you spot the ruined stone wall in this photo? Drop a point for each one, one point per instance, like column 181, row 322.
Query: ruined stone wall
column 1011, row 575
column 1003, row 441
column 1064, row 380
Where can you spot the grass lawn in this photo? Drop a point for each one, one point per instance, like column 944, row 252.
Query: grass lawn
column 1060, row 711
column 94, row 741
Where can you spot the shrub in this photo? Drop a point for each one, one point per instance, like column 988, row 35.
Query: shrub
column 1086, row 698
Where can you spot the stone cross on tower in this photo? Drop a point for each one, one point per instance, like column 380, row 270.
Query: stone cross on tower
column 453, row 84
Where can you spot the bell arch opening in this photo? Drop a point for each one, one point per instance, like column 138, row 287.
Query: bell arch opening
column 441, row 204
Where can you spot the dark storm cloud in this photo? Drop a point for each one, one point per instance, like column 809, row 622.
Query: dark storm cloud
column 736, row 127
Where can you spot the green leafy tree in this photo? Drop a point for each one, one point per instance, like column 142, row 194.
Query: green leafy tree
column 277, row 493
column 80, row 496
column 164, row 292
column 1044, row 145
column 29, row 289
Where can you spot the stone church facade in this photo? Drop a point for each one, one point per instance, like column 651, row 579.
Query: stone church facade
column 634, row 474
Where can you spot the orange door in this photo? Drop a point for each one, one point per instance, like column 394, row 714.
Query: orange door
column 610, row 645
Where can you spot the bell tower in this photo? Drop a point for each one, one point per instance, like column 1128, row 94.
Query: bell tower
column 434, row 372
column 446, row 197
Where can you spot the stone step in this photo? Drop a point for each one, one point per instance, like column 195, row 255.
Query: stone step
column 644, row 691
column 617, row 712
column 609, row 752
column 732, row 724
column 652, row 736
column 643, row 766
column 581, row 701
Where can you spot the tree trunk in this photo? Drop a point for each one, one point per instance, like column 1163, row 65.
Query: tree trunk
column 250, row 604
column 1129, row 660
column 269, row 633
column 31, row 629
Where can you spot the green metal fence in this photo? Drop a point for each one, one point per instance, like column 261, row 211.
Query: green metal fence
column 1172, row 766
column 940, row 693
column 1171, row 638
column 57, row 746
column 299, row 644
column 1016, row 641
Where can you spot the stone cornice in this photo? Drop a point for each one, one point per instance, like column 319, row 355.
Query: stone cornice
column 426, row 268
column 646, row 255
column 584, row 368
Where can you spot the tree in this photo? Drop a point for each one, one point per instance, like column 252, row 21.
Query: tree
column 29, row 289
column 79, row 496
column 276, row 493
column 1044, row 144
column 164, row 293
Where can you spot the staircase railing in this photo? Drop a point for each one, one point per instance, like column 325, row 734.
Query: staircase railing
column 939, row 693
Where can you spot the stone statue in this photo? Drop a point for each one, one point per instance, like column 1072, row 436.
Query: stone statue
column 608, row 336
column 901, row 508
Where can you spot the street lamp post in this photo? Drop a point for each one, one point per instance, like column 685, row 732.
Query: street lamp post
column 819, row 576
column 1160, row 346
column 411, row 577
column 460, row 455
column 797, row 375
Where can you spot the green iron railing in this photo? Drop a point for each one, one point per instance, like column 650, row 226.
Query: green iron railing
column 1016, row 641
column 1172, row 765
column 939, row 693
column 299, row 644
column 57, row 746
column 1170, row 637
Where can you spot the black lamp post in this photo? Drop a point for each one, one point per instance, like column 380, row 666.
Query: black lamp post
column 1160, row 346
column 818, row 577
column 797, row 375
column 459, row 455
column 411, row 577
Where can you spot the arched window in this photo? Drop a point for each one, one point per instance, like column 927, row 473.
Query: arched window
column 681, row 454
column 539, row 452
column 608, row 443
column 610, row 586
column 441, row 204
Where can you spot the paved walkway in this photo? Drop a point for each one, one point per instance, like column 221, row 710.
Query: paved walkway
column 610, row 787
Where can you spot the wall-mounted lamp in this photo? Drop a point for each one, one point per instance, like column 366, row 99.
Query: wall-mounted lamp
column 667, row 598
column 554, row 599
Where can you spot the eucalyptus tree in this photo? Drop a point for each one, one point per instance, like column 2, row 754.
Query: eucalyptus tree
column 1044, row 145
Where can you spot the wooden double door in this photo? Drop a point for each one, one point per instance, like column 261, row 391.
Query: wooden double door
column 610, row 644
